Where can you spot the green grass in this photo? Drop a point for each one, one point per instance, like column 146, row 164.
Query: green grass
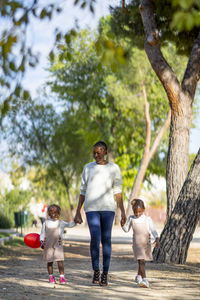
column 18, row 241
column 4, row 234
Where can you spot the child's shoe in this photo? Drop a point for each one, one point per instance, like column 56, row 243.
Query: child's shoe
column 138, row 279
column 52, row 279
column 144, row 283
column 62, row 280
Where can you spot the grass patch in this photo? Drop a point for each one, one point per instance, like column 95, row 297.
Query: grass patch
column 4, row 234
column 18, row 241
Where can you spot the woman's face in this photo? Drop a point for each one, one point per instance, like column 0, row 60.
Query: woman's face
column 98, row 154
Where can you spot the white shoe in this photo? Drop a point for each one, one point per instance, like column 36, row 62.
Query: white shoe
column 138, row 279
column 144, row 283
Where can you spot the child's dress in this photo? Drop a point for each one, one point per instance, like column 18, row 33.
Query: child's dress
column 51, row 234
column 142, row 229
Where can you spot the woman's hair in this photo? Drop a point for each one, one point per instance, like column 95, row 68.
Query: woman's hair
column 137, row 203
column 54, row 206
column 101, row 144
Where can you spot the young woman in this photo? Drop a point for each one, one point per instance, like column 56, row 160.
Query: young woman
column 101, row 188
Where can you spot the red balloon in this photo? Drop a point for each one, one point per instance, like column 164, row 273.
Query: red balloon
column 32, row 240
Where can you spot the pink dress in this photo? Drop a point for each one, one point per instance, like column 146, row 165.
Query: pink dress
column 142, row 228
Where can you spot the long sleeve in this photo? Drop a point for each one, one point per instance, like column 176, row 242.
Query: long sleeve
column 83, row 182
column 63, row 225
column 42, row 234
column 152, row 228
column 117, row 185
column 127, row 225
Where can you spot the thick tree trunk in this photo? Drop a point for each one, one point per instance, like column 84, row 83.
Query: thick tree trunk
column 177, row 234
column 178, row 152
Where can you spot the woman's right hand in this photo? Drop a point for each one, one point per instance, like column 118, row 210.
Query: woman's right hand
column 78, row 219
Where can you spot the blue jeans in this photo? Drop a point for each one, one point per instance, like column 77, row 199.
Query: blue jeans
column 100, row 226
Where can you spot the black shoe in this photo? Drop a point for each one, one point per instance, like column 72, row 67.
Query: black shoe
column 95, row 279
column 104, row 279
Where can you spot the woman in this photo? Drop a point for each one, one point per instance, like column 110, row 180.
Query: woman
column 101, row 185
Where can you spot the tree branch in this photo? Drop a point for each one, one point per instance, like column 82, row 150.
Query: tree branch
column 160, row 135
column 192, row 73
column 155, row 56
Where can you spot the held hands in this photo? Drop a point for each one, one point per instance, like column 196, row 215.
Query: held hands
column 78, row 219
column 123, row 219
column 156, row 242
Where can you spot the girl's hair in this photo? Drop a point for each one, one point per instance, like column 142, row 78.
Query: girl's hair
column 137, row 203
column 101, row 144
column 57, row 207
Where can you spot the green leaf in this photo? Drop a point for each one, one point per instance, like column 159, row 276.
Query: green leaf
column 51, row 56
column 67, row 39
column 26, row 95
column 83, row 4
column 5, row 107
column 58, row 37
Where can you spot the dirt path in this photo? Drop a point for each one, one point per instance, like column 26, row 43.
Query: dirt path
column 23, row 276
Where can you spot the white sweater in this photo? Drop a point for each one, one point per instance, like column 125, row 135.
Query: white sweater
column 54, row 224
column 99, row 185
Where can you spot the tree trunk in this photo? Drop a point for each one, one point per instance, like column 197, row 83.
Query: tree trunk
column 178, row 152
column 177, row 234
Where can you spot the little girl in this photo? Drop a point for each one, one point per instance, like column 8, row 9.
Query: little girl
column 142, row 228
column 51, row 241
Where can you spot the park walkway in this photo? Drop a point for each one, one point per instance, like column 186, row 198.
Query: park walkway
column 23, row 275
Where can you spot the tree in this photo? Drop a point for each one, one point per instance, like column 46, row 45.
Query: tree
column 177, row 234
column 114, row 102
column 16, row 54
column 45, row 140
column 180, row 95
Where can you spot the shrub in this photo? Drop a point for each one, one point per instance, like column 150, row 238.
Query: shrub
column 5, row 222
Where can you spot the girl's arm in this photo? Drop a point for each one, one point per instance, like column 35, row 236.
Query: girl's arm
column 67, row 224
column 42, row 234
column 153, row 231
column 127, row 225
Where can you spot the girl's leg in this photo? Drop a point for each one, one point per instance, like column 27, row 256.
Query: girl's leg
column 61, row 267
column 61, row 271
column 141, row 268
column 50, row 268
column 50, row 271
column 93, row 219
column 107, row 218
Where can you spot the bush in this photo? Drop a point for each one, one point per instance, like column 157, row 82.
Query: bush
column 5, row 222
